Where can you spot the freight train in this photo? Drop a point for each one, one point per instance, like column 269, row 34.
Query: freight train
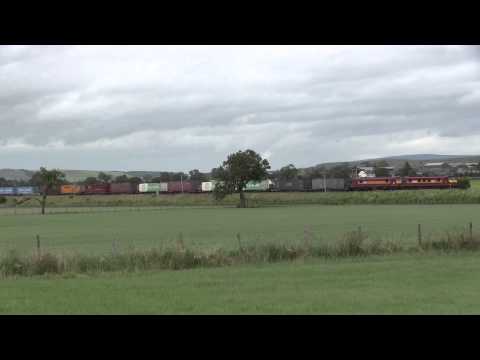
column 317, row 184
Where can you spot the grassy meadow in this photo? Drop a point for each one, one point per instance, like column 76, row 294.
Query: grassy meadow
column 403, row 284
column 424, row 282
column 210, row 228
column 261, row 199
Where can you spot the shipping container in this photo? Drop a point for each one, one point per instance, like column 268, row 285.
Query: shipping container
column 123, row 188
column 264, row 185
column 332, row 184
column 289, row 185
column 208, row 185
column 97, row 189
column 164, row 187
column 26, row 190
column 71, row 189
column 180, row 186
column 7, row 190
column 149, row 187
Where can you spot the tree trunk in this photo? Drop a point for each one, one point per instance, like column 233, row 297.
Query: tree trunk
column 43, row 203
column 243, row 202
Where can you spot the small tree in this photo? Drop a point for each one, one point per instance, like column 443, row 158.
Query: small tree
column 239, row 168
column 121, row 179
column 463, row 182
column 103, row 177
column 380, row 169
column 407, row 170
column 342, row 171
column 288, row 172
column 196, row 175
column 91, row 180
column 46, row 180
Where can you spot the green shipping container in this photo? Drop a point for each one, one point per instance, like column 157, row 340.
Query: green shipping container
column 259, row 185
column 149, row 187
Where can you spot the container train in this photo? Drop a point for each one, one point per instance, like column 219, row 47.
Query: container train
column 317, row 184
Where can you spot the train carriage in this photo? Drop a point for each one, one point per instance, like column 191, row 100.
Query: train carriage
column 72, row 189
column 123, row 188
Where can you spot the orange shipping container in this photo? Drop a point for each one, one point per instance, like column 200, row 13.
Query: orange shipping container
column 71, row 189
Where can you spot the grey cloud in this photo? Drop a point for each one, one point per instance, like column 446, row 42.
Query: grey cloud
column 176, row 107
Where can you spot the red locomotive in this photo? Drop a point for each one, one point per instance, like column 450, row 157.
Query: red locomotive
column 399, row 183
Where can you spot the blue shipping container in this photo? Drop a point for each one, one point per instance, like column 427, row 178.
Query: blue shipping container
column 26, row 190
column 7, row 191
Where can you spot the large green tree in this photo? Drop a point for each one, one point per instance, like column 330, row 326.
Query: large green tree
column 46, row 180
column 234, row 174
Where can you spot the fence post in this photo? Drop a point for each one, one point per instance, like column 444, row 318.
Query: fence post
column 471, row 231
column 419, row 235
column 38, row 245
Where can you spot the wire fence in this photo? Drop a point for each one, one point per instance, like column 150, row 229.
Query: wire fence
column 12, row 211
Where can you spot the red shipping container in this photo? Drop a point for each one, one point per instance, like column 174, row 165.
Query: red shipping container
column 179, row 186
column 123, row 188
column 97, row 189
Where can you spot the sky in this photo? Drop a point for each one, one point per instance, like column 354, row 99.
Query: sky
column 177, row 108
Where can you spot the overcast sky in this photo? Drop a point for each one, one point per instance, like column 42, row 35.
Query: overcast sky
column 184, row 107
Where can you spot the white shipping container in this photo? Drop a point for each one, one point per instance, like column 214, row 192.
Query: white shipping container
column 208, row 186
column 163, row 187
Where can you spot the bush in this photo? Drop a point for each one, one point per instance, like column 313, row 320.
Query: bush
column 464, row 183
column 3, row 200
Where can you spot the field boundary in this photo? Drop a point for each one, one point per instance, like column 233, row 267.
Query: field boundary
column 353, row 244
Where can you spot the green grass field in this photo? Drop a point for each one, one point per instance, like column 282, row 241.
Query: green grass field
column 406, row 284
column 209, row 228
column 432, row 197
column 475, row 184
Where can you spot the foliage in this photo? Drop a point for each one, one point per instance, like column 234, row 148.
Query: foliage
column 104, row 178
column 380, row 169
column 406, row 170
column 91, row 181
column 46, row 180
column 342, row 171
column 464, row 183
column 3, row 199
column 196, row 175
column 288, row 172
column 239, row 168
column 121, row 179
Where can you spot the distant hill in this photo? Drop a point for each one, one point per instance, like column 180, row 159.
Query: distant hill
column 71, row 175
column 416, row 160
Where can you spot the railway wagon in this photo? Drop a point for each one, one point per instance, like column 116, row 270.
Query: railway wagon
column 265, row 185
column 184, row 186
column 97, row 189
column 26, row 190
column 72, row 189
column 380, row 183
column 153, row 187
column 208, row 186
column 329, row 184
column 431, row 182
column 123, row 188
column 290, row 185
column 7, row 190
